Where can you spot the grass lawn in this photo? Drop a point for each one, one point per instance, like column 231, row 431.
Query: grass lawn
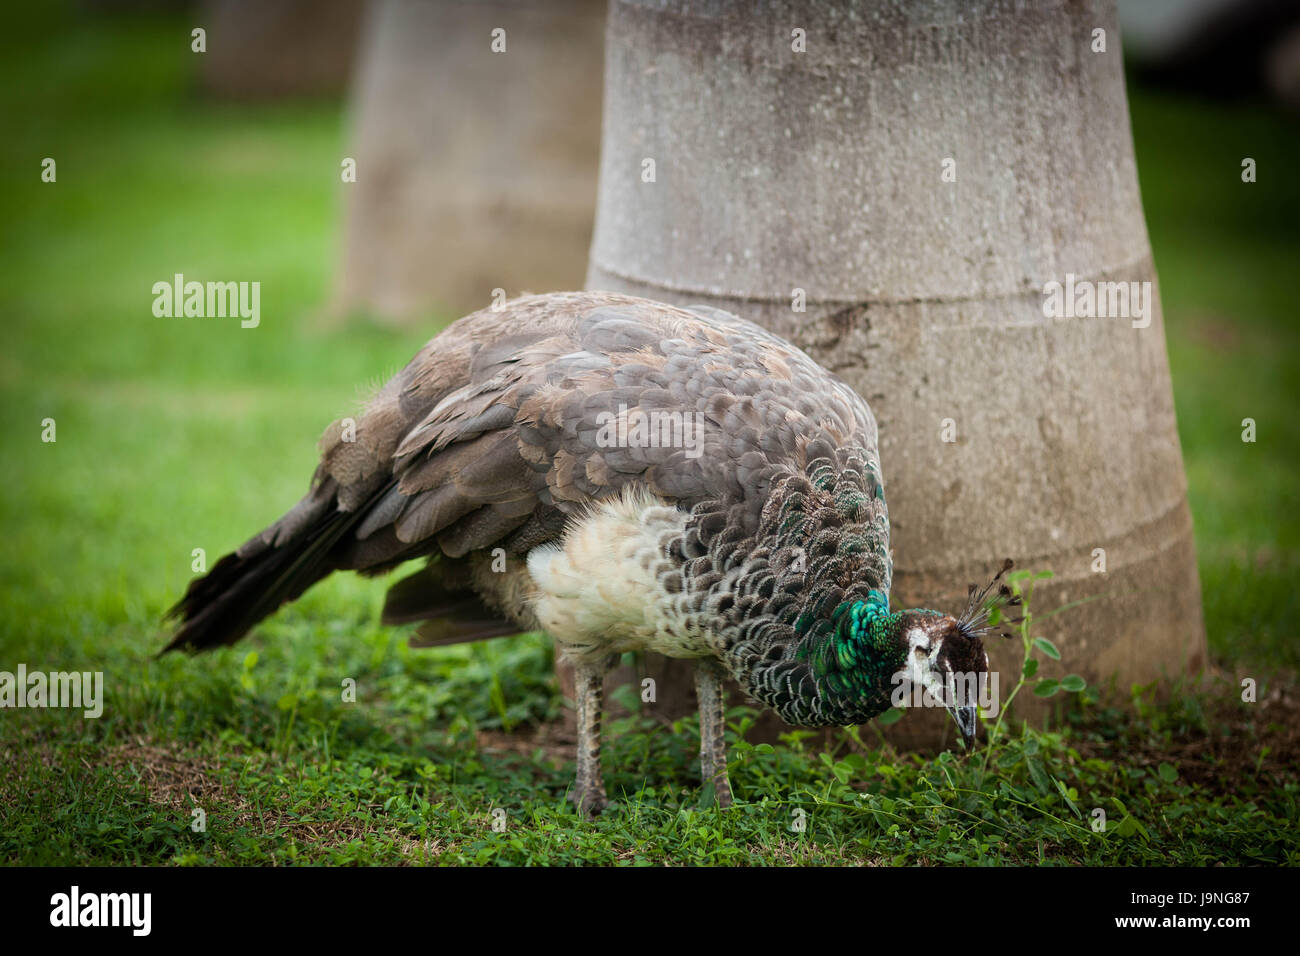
column 175, row 435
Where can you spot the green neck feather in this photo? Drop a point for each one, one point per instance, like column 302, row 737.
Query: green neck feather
column 855, row 658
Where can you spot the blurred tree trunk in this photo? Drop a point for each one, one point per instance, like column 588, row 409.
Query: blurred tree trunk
column 476, row 170
column 780, row 174
column 266, row 49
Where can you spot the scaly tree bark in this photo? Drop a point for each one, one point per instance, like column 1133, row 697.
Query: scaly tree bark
column 894, row 186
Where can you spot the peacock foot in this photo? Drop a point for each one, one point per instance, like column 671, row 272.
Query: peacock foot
column 590, row 801
column 722, row 792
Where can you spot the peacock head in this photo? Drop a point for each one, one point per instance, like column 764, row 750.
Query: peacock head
column 941, row 660
column 945, row 655
column 902, row 657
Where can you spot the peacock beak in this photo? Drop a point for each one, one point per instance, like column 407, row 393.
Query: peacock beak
column 965, row 718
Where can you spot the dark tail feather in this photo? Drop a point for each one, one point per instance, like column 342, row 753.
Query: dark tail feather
column 461, row 630
column 223, row 605
column 449, row 615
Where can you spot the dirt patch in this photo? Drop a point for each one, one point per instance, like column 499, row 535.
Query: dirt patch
column 555, row 740
column 183, row 782
column 1242, row 747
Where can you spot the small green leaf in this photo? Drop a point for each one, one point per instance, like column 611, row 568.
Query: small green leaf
column 250, row 660
column 1036, row 773
column 287, row 702
column 1073, row 683
column 1046, row 687
column 1047, row 647
column 1070, row 795
column 1031, row 668
column 1167, row 773
column 1129, row 826
column 893, row 715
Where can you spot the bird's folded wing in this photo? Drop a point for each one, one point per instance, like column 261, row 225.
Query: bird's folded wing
column 511, row 421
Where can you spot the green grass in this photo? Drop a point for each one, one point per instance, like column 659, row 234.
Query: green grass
column 182, row 434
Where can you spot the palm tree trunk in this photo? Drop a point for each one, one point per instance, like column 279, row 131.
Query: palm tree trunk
column 475, row 152
column 918, row 176
column 272, row 49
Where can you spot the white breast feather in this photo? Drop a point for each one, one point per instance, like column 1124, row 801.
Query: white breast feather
column 598, row 591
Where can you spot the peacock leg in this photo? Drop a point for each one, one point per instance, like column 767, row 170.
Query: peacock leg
column 710, row 693
column 589, row 788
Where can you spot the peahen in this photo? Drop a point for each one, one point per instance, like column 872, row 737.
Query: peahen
column 625, row 475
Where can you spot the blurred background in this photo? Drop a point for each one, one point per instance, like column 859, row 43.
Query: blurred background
column 230, row 164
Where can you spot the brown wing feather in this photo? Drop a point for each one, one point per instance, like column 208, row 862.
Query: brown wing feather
column 501, row 417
